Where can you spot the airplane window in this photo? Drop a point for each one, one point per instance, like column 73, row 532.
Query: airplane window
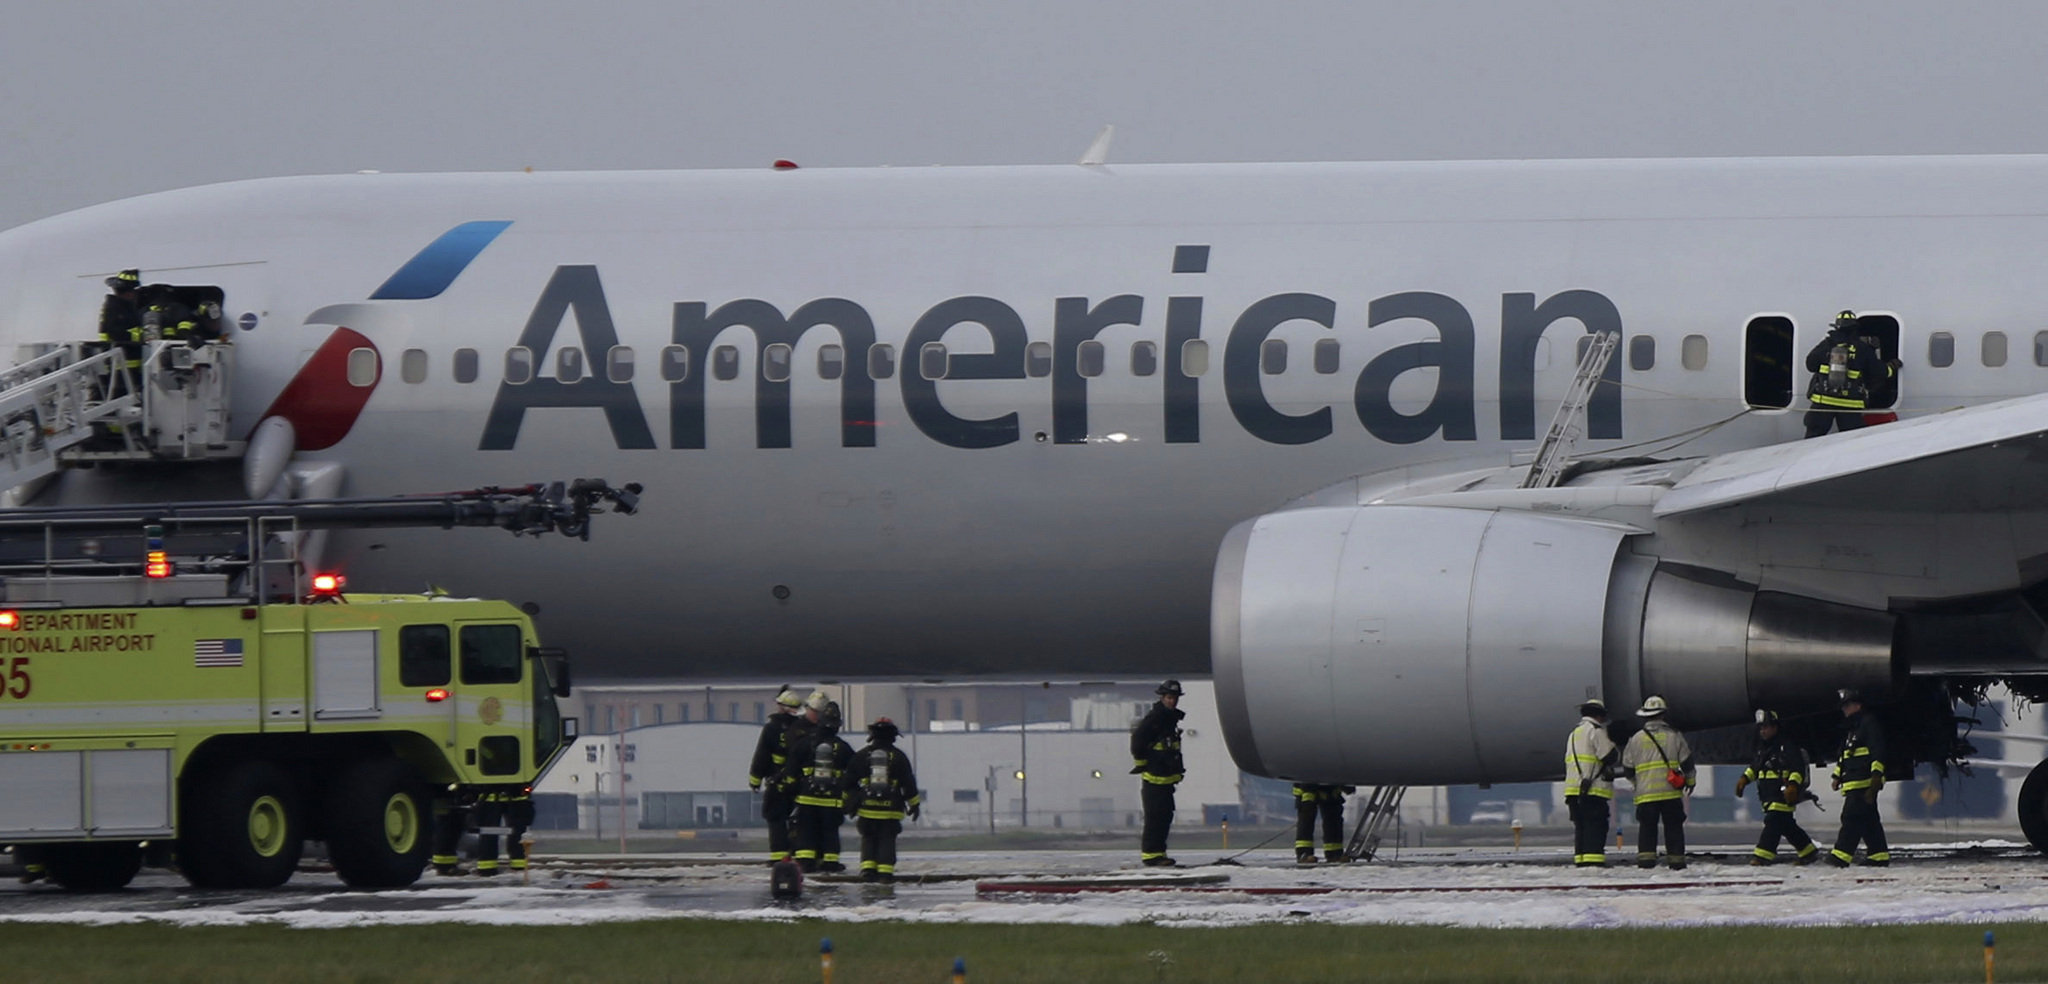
column 2041, row 348
column 1144, row 358
column 518, row 364
column 775, row 360
column 362, row 367
column 1273, row 356
column 1993, row 349
column 619, row 364
column 1194, row 358
column 412, row 366
column 725, row 362
column 465, row 365
column 1038, row 359
column 1941, row 350
column 1692, row 353
column 569, row 364
column 1579, row 350
column 881, row 361
column 831, row 362
column 1088, row 355
column 1642, row 352
column 931, row 360
column 1324, row 355
column 675, row 363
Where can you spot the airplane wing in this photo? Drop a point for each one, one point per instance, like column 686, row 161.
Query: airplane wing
column 1982, row 459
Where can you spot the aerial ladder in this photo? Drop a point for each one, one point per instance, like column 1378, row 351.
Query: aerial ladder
column 73, row 403
column 185, row 552
column 1553, row 457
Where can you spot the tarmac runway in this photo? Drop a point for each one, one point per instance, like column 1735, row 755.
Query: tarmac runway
column 1959, row 882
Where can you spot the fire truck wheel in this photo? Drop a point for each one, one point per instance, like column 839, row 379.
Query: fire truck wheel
column 241, row 828
column 379, row 824
column 93, row 867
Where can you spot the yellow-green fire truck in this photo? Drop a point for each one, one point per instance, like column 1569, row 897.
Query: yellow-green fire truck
column 201, row 713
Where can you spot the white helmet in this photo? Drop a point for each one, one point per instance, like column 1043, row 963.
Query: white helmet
column 1653, row 707
column 817, row 701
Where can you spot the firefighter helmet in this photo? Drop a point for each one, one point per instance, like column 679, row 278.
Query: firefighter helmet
column 1170, row 688
column 1846, row 319
column 788, row 698
column 1764, row 717
column 1593, row 707
column 1653, row 707
column 1849, row 695
column 817, row 701
column 125, row 280
column 830, row 716
column 883, row 730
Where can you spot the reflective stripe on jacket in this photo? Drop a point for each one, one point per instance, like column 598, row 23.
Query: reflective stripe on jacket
column 1776, row 763
column 885, row 796
column 1588, row 754
column 1862, row 759
column 1650, row 767
column 1155, row 745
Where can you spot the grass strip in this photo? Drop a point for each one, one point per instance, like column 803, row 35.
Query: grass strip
column 761, row 953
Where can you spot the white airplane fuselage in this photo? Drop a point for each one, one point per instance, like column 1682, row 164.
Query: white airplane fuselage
column 996, row 518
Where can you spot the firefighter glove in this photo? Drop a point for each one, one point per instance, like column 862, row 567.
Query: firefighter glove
column 754, row 783
column 1876, row 781
column 915, row 812
column 1741, row 783
column 1792, row 793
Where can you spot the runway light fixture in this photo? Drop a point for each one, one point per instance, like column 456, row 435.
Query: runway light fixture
column 1019, row 774
column 1096, row 773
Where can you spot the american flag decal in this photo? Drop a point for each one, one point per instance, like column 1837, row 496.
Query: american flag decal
column 217, row 652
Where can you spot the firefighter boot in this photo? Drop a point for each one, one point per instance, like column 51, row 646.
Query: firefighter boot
column 1335, row 857
column 1304, row 856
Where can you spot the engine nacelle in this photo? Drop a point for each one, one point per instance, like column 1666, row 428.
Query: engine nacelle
column 1428, row 644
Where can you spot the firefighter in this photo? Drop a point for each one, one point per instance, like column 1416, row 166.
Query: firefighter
column 817, row 765
column 881, row 790
column 1312, row 800
column 1859, row 774
column 512, row 811
column 1660, row 761
column 166, row 316
column 1779, row 771
column 1844, row 367
column 121, row 317
column 1155, row 746
column 451, row 818
column 1590, row 757
column 770, row 752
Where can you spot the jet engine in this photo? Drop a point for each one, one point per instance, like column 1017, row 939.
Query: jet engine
column 1429, row 644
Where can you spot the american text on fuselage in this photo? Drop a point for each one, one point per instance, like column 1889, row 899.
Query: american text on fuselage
column 1450, row 414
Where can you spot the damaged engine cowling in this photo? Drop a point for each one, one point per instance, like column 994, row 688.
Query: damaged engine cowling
column 1423, row 644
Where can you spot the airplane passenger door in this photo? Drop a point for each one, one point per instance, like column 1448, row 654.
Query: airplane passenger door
column 1769, row 363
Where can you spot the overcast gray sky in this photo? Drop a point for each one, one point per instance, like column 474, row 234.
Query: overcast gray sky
column 110, row 99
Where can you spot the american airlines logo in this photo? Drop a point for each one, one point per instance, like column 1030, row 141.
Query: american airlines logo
column 576, row 292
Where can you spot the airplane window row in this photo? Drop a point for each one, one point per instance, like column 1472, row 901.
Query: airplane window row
column 1993, row 349
column 934, row 360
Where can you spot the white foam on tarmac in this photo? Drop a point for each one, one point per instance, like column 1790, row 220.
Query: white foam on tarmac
column 1474, row 891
